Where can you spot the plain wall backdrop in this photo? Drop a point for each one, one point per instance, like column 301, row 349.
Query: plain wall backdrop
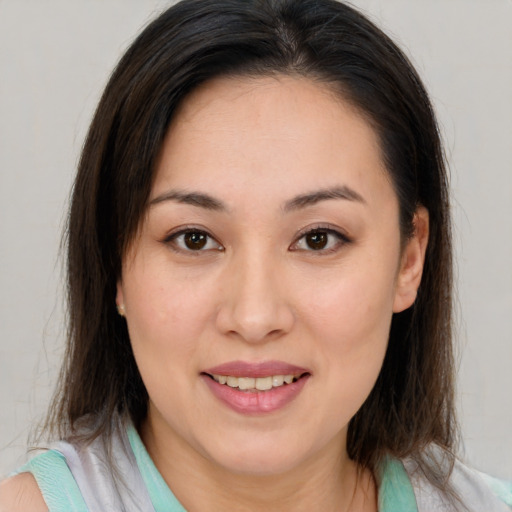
column 55, row 58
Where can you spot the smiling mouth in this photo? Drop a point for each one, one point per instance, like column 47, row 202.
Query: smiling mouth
column 255, row 384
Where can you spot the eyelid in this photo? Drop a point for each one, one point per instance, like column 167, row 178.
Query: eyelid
column 182, row 230
column 322, row 228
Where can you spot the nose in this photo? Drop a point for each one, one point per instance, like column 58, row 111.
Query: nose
column 254, row 305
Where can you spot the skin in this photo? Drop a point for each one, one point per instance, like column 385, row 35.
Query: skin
column 21, row 493
column 260, row 291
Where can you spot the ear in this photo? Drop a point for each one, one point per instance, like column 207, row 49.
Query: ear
column 120, row 298
column 412, row 261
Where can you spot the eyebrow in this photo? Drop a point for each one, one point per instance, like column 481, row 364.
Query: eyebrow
column 312, row 198
column 193, row 198
column 208, row 202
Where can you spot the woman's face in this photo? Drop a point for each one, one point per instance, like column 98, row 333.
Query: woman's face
column 260, row 291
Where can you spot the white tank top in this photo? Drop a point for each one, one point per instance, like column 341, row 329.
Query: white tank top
column 78, row 478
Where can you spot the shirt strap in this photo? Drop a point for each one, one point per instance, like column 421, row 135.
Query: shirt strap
column 161, row 496
column 56, row 483
column 395, row 489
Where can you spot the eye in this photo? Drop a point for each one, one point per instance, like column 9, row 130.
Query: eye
column 320, row 239
column 193, row 240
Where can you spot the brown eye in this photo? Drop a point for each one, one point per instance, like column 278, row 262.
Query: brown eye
column 195, row 241
column 321, row 240
column 317, row 240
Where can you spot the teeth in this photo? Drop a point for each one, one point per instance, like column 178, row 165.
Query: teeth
column 277, row 380
column 264, row 383
column 246, row 383
column 251, row 383
column 232, row 382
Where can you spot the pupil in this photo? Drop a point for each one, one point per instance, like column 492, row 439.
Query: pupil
column 317, row 241
column 195, row 240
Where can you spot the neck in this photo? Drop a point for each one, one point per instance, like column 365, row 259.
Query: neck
column 328, row 481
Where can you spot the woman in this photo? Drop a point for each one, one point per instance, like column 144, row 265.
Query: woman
column 259, row 264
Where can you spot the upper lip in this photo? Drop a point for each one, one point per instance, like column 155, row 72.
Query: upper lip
column 259, row 369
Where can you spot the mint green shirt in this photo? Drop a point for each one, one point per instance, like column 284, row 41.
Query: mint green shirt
column 61, row 491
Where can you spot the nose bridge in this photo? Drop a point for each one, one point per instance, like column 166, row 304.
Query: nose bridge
column 255, row 305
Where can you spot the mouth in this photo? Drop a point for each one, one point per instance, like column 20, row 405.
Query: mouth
column 259, row 388
column 256, row 384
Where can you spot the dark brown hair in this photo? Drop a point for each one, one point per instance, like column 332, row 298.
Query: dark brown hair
column 411, row 405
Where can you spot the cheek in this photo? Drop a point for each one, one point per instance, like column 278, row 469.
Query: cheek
column 352, row 310
column 166, row 317
column 350, row 321
column 166, row 321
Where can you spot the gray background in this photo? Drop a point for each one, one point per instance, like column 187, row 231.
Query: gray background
column 55, row 57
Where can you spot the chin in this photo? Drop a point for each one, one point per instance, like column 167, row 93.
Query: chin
column 258, row 460
column 260, row 467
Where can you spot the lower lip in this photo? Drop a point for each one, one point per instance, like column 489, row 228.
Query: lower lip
column 256, row 402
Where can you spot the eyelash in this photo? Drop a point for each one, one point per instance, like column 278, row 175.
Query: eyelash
column 172, row 238
column 342, row 239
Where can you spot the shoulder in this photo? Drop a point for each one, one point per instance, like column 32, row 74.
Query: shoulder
column 21, row 493
column 43, row 483
column 476, row 490
column 501, row 488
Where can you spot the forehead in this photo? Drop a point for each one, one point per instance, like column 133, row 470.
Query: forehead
column 280, row 133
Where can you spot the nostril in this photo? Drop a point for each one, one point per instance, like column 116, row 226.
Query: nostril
column 254, row 314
